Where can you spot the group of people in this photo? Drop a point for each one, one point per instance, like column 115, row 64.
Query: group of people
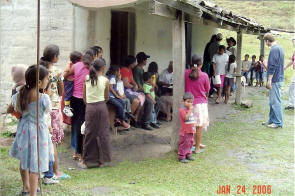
column 84, row 89
column 79, row 96
column 257, row 69
column 220, row 65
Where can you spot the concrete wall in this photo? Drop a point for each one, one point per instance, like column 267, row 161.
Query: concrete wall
column 154, row 37
column 102, row 36
column 18, row 35
column 201, row 35
column 81, row 30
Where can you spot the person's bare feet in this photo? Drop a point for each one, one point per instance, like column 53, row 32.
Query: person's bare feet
column 82, row 165
column 197, row 150
column 202, row 146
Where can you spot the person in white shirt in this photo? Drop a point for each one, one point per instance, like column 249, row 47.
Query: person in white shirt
column 229, row 76
column 246, row 64
column 166, row 79
column 220, row 62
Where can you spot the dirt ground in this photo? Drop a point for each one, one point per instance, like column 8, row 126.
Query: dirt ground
column 138, row 144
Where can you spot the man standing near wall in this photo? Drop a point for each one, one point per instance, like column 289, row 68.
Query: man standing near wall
column 290, row 105
column 275, row 81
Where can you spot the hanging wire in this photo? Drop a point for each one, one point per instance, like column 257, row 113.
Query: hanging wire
column 37, row 101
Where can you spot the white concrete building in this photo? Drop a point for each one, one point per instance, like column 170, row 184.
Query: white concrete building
column 120, row 27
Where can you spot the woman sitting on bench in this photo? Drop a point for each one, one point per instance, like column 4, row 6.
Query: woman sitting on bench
column 136, row 99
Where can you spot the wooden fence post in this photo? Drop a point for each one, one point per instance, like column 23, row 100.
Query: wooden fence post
column 239, row 67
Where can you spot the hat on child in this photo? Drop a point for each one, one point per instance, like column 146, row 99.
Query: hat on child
column 141, row 56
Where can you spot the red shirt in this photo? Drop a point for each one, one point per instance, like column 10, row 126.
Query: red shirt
column 126, row 73
column 198, row 87
column 185, row 128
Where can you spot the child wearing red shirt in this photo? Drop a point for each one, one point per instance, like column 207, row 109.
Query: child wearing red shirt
column 187, row 130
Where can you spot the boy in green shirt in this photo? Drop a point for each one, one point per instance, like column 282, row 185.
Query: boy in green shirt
column 138, row 71
column 150, row 116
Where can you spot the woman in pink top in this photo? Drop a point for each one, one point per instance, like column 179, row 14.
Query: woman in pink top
column 80, row 70
column 197, row 83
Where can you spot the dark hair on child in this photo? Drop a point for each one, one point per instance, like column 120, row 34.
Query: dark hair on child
column 153, row 67
column 221, row 47
column 231, row 59
column 50, row 52
column 197, row 59
column 45, row 64
column 261, row 56
column 146, row 76
column 98, row 48
column 187, row 95
column 75, row 57
column 23, row 99
column 247, row 55
column 129, row 60
column 48, row 85
column 112, row 70
column 88, row 57
column 97, row 65
column 253, row 56
column 95, row 50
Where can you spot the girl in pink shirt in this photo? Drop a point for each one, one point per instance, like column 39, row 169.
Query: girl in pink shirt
column 197, row 83
column 80, row 70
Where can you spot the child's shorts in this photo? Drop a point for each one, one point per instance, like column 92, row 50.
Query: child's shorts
column 228, row 82
column 69, row 88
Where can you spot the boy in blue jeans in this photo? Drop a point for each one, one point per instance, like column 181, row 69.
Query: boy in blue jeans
column 150, row 116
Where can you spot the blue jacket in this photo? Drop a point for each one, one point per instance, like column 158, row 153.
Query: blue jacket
column 275, row 64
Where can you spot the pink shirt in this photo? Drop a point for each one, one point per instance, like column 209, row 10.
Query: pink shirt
column 80, row 72
column 293, row 60
column 185, row 128
column 198, row 87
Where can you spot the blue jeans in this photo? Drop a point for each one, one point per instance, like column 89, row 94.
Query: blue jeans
column 120, row 106
column 49, row 173
column 275, row 104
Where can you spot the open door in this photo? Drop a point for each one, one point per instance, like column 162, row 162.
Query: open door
column 122, row 36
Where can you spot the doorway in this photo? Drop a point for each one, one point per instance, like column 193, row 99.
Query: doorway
column 122, row 36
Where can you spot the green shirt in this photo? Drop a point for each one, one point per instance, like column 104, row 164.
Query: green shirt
column 148, row 89
column 138, row 75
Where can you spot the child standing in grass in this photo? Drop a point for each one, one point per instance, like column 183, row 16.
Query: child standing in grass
column 187, row 130
column 24, row 146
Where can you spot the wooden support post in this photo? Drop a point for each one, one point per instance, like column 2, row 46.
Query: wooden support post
column 261, row 44
column 178, row 48
column 239, row 68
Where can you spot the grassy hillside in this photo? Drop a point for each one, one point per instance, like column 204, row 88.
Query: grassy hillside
column 274, row 14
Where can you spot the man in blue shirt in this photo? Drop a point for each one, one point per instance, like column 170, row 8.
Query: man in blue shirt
column 275, row 81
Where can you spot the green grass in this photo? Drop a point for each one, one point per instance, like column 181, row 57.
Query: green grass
column 241, row 152
column 272, row 14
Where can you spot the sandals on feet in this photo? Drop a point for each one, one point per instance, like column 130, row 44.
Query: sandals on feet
column 200, row 151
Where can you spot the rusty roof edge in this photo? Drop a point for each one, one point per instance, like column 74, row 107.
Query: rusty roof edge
column 225, row 15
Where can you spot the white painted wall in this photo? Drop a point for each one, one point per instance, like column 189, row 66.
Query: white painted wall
column 154, row 37
column 201, row 35
column 81, row 29
column 102, row 31
column 18, row 35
